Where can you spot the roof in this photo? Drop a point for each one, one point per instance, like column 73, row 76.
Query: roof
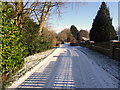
column 84, row 38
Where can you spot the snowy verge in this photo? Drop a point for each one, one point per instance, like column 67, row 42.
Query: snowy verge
column 108, row 64
column 30, row 63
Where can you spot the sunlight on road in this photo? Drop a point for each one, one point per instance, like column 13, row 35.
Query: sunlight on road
column 69, row 68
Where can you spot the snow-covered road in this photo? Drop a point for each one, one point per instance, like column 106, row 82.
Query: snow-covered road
column 68, row 67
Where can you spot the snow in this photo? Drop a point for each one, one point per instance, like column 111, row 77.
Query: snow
column 108, row 64
column 30, row 62
column 69, row 67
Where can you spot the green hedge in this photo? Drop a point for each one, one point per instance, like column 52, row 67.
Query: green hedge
column 12, row 46
column 18, row 43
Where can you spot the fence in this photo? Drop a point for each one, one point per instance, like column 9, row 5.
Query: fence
column 113, row 51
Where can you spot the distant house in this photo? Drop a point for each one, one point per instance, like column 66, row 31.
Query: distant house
column 118, row 34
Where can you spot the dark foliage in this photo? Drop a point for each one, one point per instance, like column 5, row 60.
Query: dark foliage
column 74, row 31
column 74, row 44
column 102, row 28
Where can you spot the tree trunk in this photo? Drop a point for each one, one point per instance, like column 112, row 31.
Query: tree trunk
column 44, row 16
column 41, row 27
column 19, row 13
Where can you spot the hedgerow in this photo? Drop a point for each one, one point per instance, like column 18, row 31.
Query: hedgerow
column 12, row 46
column 18, row 43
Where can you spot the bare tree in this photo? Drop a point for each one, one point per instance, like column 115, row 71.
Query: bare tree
column 42, row 11
column 20, row 10
column 38, row 10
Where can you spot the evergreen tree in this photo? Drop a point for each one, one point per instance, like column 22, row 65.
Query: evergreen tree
column 74, row 31
column 102, row 28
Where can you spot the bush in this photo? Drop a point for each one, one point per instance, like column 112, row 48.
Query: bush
column 74, row 44
column 18, row 43
column 13, row 50
column 62, row 42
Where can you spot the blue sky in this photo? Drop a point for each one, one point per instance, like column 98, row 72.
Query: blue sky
column 82, row 15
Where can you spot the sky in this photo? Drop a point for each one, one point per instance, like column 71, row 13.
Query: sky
column 81, row 15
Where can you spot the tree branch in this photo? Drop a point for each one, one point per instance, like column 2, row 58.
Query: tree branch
column 26, row 4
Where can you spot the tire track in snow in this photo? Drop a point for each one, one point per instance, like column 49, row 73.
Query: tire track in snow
column 104, row 78
column 88, row 78
column 71, row 69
